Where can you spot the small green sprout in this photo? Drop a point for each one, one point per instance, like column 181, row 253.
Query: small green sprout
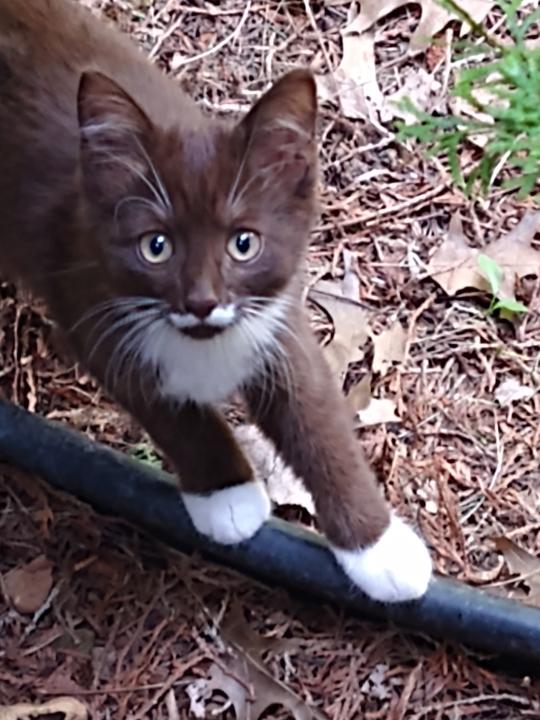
column 503, row 87
column 146, row 454
column 494, row 275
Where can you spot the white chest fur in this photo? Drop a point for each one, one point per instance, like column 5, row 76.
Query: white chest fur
column 210, row 371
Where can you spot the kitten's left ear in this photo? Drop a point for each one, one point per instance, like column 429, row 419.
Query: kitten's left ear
column 280, row 128
column 113, row 128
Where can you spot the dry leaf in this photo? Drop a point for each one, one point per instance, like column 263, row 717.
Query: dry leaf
column 350, row 320
column 454, row 265
column 27, row 587
column 244, row 679
column 418, row 86
column 524, row 564
column 512, row 390
column 353, row 85
column 390, row 347
column 433, row 18
column 379, row 411
column 514, row 253
column 376, row 684
column 370, row 410
column 359, row 396
column 70, row 708
column 283, row 486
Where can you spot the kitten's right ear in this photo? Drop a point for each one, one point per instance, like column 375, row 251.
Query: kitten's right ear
column 279, row 132
column 112, row 130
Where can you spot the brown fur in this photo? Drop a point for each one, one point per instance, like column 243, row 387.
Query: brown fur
column 77, row 104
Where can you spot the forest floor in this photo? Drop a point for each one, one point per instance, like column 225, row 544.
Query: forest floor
column 448, row 396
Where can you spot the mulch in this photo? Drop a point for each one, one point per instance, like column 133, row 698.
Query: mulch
column 130, row 627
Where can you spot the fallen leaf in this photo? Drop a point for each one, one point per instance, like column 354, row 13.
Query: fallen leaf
column 283, row 486
column 376, row 684
column 70, row 708
column 379, row 411
column 524, row 564
column 454, row 264
column 432, row 20
column 512, row 390
column 197, row 692
column 514, row 253
column 353, row 85
column 340, row 300
column 390, row 347
column 359, row 395
column 245, row 680
column 367, row 409
column 418, row 86
column 27, row 587
column 239, row 633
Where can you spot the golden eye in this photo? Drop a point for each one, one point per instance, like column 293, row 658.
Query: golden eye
column 155, row 248
column 244, row 245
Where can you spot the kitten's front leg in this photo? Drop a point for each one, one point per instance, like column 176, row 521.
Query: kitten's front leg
column 224, row 500
column 307, row 419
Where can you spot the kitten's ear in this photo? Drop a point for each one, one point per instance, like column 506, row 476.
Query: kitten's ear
column 280, row 129
column 112, row 128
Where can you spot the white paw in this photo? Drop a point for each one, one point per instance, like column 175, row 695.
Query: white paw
column 395, row 568
column 230, row 515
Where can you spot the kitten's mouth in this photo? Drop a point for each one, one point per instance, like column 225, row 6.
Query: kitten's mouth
column 202, row 331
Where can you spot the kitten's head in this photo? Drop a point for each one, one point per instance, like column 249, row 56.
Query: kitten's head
column 207, row 220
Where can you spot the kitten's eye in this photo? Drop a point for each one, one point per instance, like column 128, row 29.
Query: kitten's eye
column 155, row 248
column 244, row 245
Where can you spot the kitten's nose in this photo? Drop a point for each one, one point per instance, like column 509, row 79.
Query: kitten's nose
column 200, row 305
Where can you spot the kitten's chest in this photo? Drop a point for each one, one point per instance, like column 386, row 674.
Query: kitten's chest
column 204, row 371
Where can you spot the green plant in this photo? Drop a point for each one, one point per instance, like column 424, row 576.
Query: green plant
column 503, row 88
column 494, row 275
column 146, row 454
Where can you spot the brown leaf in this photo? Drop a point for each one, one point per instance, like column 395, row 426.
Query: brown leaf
column 70, row 708
column 433, row 18
column 379, row 411
column 454, row 263
column 390, row 347
column 511, row 390
column 353, row 85
column 370, row 410
column 524, row 564
column 27, row 587
column 514, row 253
column 245, row 671
column 421, row 88
column 350, row 320
column 359, row 396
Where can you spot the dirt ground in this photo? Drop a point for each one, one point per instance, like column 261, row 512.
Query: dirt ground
column 133, row 630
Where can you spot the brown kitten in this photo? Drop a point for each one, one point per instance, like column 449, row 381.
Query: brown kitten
column 169, row 247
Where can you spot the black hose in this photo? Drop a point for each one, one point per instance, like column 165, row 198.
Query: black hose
column 280, row 553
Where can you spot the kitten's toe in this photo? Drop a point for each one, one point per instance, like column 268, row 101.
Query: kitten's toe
column 395, row 568
column 230, row 515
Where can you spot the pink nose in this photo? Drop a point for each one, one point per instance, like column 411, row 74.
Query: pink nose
column 201, row 307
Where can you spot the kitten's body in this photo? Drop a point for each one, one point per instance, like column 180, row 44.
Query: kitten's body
column 169, row 247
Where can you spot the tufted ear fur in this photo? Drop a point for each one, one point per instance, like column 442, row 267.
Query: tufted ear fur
column 113, row 129
column 280, row 132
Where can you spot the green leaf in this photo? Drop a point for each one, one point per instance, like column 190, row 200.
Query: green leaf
column 146, row 454
column 510, row 305
column 491, row 271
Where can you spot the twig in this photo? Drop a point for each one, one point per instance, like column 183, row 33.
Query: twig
column 222, row 43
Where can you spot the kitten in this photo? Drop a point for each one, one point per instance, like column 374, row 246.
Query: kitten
column 169, row 247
